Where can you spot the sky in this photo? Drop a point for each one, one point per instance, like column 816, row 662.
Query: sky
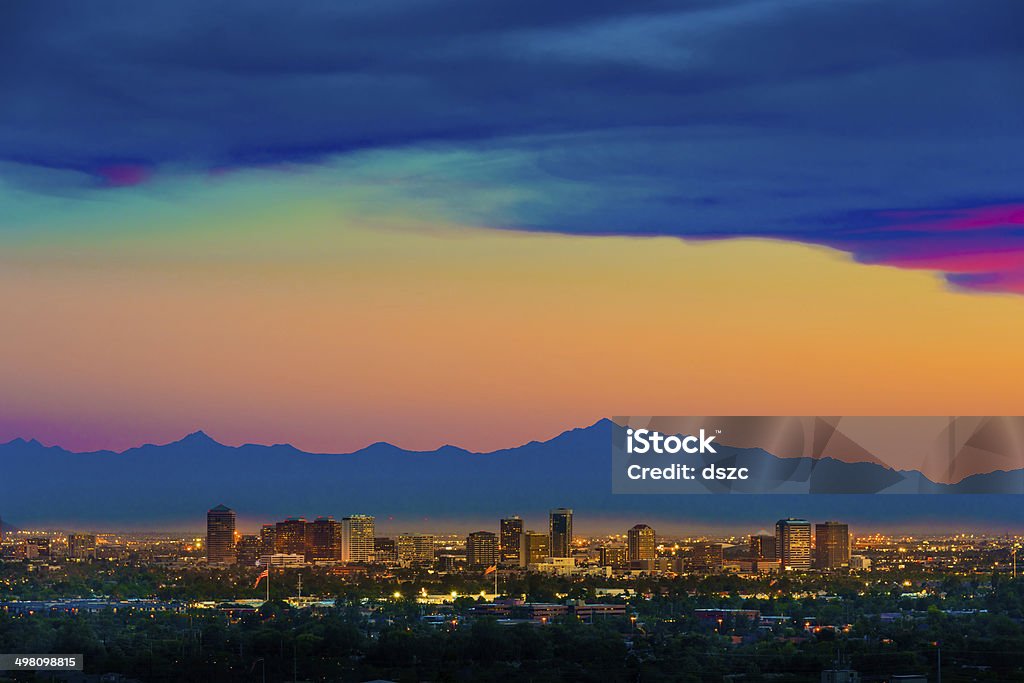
column 445, row 222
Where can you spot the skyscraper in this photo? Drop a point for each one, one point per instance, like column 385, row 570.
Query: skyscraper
column 831, row 545
column 415, row 548
column 641, row 543
column 220, row 535
column 533, row 548
column 357, row 538
column 385, row 550
column 267, row 533
column 707, row 557
column 560, row 532
column 248, row 550
column 614, row 556
column 290, row 536
column 762, row 546
column 82, row 546
column 482, row 549
column 793, row 543
column 511, row 532
column 323, row 540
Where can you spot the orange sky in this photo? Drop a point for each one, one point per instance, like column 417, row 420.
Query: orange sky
column 421, row 333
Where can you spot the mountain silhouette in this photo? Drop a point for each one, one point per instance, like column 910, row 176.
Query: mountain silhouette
column 171, row 486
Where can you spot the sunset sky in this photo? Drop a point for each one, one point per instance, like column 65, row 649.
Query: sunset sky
column 452, row 223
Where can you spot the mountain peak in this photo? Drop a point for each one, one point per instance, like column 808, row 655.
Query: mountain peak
column 23, row 442
column 198, row 438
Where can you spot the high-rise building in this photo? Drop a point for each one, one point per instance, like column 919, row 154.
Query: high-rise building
column 793, row 543
column 357, row 538
column 385, row 550
column 641, row 543
column 831, row 545
column 560, row 532
column 267, row 533
column 533, row 548
column 248, row 549
column 323, row 540
column 510, row 533
column 290, row 537
column 762, row 547
column 220, row 535
column 707, row 557
column 481, row 549
column 82, row 546
column 415, row 548
column 41, row 544
column 614, row 556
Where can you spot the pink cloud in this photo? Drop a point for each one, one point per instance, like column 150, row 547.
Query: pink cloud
column 979, row 248
column 123, row 175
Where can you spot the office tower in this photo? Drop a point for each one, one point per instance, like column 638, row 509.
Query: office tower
column 831, row 545
column 290, row 537
column 82, row 546
column 614, row 556
column 385, row 550
column 357, row 538
column 640, row 540
column 793, row 543
column 247, row 550
column 42, row 546
column 1, row 530
column 267, row 533
column 707, row 557
column 323, row 540
column 510, row 533
column 482, row 549
column 220, row 535
column 560, row 532
column 415, row 548
column 533, row 548
column 762, row 547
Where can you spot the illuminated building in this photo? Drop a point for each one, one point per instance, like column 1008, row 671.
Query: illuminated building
column 385, row 550
column 220, row 535
column 510, row 533
column 82, row 546
column 482, row 549
column 793, row 543
column 248, row 550
column 290, row 537
column 42, row 546
column 415, row 548
column 323, row 540
column 762, row 547
column 559, row 532
column 533, row 548
column 357, row 538
column 641, row 543
column 831, row 545
column 614, row 556
column 267, row 532
column 707, row 557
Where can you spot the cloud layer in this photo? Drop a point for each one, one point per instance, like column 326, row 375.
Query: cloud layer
column 891, row 131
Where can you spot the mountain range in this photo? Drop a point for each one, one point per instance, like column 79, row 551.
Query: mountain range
column 170, row 486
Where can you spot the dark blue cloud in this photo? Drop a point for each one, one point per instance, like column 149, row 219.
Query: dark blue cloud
column 701, row 119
